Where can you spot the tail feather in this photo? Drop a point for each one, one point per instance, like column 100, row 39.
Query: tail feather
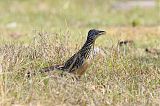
column 47, row 69
column 51, row 68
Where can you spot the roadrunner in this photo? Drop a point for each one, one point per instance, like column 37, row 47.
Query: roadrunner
column 78, row 63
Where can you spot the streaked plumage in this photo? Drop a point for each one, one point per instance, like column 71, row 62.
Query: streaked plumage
column 78, row 63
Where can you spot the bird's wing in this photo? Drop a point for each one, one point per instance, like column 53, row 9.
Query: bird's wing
column 73, row 63
column 69, row 63
column 78, row 62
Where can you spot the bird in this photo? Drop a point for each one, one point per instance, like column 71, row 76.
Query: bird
column 79, row 62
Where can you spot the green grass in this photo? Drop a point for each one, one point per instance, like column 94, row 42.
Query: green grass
column 128, row 77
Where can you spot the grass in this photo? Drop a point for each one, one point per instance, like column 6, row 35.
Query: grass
column 128, row 77
column 124, row 79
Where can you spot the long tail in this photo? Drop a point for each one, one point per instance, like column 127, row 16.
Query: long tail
column 45, row 69
column 51, row 68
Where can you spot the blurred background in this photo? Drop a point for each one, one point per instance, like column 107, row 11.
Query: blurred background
column 18, row 17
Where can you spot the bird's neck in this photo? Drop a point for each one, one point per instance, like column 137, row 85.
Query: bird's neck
column 87, row 48
column 88, row 43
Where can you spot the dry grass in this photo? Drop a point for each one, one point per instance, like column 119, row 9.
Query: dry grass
column 126, row 76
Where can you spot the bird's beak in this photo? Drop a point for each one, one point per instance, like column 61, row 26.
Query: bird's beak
column 101, row 32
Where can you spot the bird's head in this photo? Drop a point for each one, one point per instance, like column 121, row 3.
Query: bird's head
column 93, row 34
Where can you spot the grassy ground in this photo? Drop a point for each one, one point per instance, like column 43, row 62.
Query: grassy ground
column 125, row 76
